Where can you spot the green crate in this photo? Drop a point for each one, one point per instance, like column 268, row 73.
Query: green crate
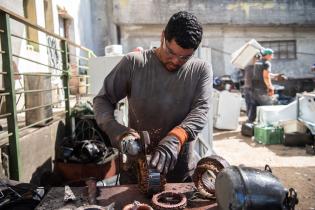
column 268, row 134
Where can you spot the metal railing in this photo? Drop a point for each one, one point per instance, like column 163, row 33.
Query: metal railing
column 60, row 73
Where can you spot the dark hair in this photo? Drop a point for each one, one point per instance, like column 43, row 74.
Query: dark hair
column 185, row 29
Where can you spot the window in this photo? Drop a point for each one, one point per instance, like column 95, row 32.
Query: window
column 282, row 49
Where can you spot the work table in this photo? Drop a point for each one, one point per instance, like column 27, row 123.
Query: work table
column 120, row 195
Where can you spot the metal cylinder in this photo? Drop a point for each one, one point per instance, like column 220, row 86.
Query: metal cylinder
column 245, row 188
column 32, row 81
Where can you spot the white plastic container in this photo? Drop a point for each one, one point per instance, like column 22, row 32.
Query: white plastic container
column 244, row 56
column 226, row 109
column 292, row 126
column 112, row 50
column 273, row 115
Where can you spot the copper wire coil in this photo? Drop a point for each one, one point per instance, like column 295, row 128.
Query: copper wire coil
column 169, row 200
column 205, row 174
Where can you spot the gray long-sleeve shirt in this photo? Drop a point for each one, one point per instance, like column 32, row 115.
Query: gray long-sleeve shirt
column 158, row 100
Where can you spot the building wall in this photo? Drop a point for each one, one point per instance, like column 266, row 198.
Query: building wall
column 227, row 26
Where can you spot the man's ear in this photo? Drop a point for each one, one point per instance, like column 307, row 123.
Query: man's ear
column 162, row 37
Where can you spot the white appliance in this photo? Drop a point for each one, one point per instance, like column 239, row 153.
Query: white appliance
column 226, row 109
column 99, row 68
column 243, row 56
column 307, row 110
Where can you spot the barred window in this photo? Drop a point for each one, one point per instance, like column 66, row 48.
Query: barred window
column 284, row 49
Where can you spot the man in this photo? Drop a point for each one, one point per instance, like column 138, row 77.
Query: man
column 262, row 88
column 168, row 93
column 248, row 92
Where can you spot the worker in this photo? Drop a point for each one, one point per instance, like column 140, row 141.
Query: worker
column 168, row 92
column 248, row 92
column 262, row 88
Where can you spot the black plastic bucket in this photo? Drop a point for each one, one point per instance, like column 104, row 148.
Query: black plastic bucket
column 246, row 188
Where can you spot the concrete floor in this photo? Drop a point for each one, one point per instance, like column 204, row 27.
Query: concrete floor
column 291, row 165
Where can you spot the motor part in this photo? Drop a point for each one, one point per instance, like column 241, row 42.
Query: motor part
column 205, row 174
column 169, row 200
column 150, row 181
column 245, row 188
column 136, row 205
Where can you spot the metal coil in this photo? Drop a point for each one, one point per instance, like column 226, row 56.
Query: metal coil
column 169, row 200
column 205, row 174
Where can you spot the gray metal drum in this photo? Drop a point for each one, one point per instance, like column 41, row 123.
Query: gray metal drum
column 42, row 98
column 245, row 188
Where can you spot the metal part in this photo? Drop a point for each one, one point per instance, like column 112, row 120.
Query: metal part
column 245, row 188
column 169, row 200
column 136, row 205
column 92, row 190
column 69, row 196
column 205, row 174
column 130, row 146
column 93, row 207
column 150, row 180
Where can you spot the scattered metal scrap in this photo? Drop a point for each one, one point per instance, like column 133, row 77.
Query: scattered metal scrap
column 69, row 196
column 92, row 190
column 205, row 174
column 169, row 200
column 136, row 205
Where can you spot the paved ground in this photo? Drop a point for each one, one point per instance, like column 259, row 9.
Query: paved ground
column 291, row 165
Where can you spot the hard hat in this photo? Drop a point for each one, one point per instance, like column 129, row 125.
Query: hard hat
column 266, row 51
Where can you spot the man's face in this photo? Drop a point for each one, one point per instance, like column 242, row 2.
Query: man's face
column 269, row 57
column 174, row 56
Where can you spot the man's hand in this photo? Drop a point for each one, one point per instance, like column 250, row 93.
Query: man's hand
column 165, row 155
column 129, row 144
column 281, row 77
column 271, row 91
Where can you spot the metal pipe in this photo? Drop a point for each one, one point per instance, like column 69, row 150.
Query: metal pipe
column 4, row 94
column 50, row 75
column 15, row 55
column 83, row 67
column 17, row 36
column 43, row 120
column 6, row 136
column 3, row 72
column 37, row 107
column 5, row 115
column 78, row 56
column 2, row 52
column 36, row 91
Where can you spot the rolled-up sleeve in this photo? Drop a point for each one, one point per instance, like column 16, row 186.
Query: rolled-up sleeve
column 116, row 86
column 198, row 116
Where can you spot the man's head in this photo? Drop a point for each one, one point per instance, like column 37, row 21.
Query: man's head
column 267, row 53
column 180, row 38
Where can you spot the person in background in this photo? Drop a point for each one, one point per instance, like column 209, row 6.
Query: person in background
column 262, row 88
column 248, row 91
column 169, row 95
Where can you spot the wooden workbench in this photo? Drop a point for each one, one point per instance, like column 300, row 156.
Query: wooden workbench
column 120, row 195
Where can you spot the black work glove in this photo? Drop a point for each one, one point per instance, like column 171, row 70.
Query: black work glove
column 165, row 155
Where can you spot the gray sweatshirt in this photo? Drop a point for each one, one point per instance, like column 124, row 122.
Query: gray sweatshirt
column 158, row 100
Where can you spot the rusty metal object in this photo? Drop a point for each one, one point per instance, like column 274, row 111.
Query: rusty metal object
column 150, row 180
column 92, row 190
column 169, row 200
column 93, row 207
column 136, row 205
column 205, row 174
column 69, row 196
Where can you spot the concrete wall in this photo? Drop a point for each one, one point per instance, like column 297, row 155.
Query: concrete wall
column 37, row 151
column 227, row 26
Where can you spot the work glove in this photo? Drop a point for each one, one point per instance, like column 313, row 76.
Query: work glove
column 165, row 155
column 129, row 144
